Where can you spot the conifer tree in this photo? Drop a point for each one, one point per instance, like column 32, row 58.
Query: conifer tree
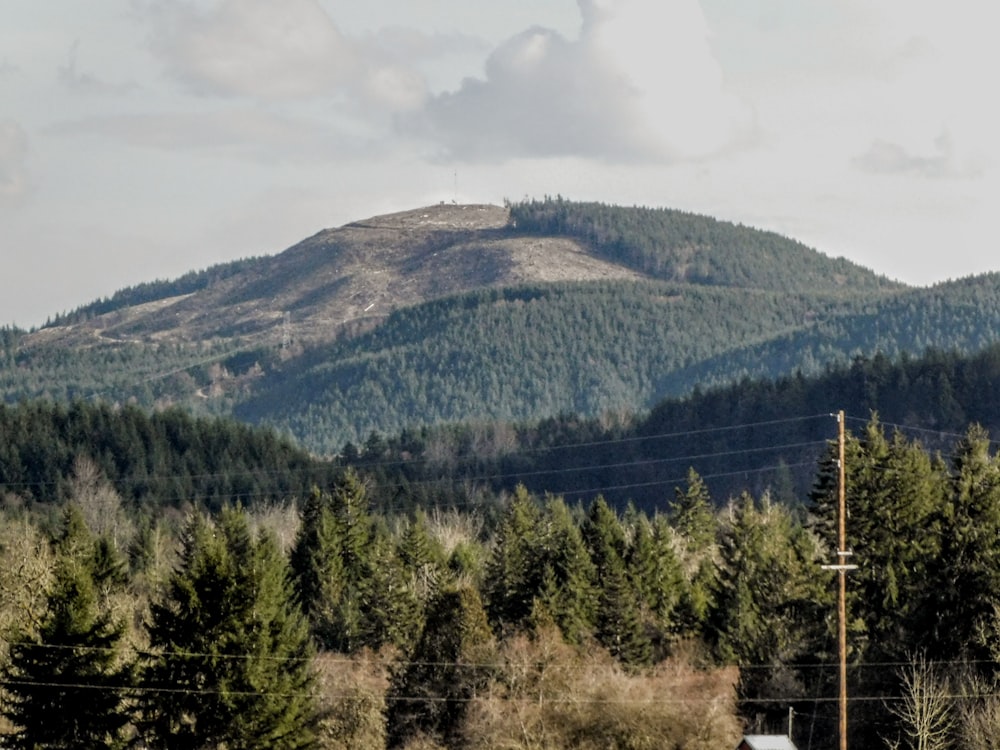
column 67, row 683
column 656, row 575
column 422, row 555
column 514, row 572
column 619, row 626
column 452, row 660
column 692, row 515
column 348, row 577
column 693, row 518
column 894, row 492
column 770, row 597
column 568, row 593
column 232, row 658
column 963, row 596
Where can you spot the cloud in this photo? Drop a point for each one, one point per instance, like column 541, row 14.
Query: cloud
column 640, row 83
column 72, row 78
column 887, row 158
column 240, row 132
column 267, row 49
column 14, row 181
column 280, row 50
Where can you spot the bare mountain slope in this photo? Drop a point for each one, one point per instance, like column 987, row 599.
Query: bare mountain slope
column 350, row 277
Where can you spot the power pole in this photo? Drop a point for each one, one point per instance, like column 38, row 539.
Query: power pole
column 842, row 567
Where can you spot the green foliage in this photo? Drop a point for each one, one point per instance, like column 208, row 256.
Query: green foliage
column 769, row 603
column 349, row 579
column 964, row 595
column 692, row 514
column 619, row 627
column 452, row 660
column 166, row 458
column 232, row 656
column 514, row 574
column 658, row 578
column 678, row 246
column 68, row 683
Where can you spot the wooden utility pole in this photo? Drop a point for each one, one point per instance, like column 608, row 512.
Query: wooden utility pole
column 842, row 567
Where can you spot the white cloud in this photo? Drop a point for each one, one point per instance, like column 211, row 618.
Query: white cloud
column 267, row 49
column 13, row 161
column 241, row 132
column 941, row 161
column 639, row 83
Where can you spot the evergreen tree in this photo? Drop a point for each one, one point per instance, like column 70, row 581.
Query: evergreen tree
column 514, row 573
column 769, row 604
column 619, row 626
column 692, row 515
column 657, row 576
column 66, row 685
column 452, row 660
column 693, row 518
column 963, row 595
column 567, row 594
column 893, row 494
column 348, row 576
column 232, row 658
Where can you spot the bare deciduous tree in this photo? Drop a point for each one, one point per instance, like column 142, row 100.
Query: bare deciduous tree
column 925, row 708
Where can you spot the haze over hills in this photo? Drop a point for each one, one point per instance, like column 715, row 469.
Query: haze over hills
column 456, row 313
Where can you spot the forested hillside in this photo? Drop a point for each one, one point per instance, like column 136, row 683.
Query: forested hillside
column 521, row 354
column 757, row 435
column 156, row 459
column 678, row 246
column 451, row 313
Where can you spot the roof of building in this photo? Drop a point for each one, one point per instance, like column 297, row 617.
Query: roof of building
column 768, row 742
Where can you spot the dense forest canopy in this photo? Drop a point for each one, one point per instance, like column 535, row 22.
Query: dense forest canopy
column 698, row 303
column 553, row 623
column 166, row 458
column 679, row 246
column 757, row 435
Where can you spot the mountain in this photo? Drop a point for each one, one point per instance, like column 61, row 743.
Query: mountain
column 455, row 313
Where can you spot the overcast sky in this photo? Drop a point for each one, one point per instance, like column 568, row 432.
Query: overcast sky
column 140, row 139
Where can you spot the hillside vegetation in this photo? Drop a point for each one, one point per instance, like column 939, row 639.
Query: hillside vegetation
column 334, row 621
column 462, row 313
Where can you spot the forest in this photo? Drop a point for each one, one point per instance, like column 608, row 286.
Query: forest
column 574, row 515
column 714, row 304
column 537, row 622
column 757, row 435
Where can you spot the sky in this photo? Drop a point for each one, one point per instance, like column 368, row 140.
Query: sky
column 141, row 139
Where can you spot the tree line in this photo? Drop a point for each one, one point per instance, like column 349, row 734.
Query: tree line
column 330, row 623
column 674, row 245
column 157, row 458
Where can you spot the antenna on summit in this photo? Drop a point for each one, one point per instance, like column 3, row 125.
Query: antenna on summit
column 454, row 198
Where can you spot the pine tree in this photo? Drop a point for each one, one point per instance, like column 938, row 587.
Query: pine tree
column 619, row 625
column 452, row 660
column 232, row 660
column 515, row 572
column 769, row 600
column 691, row 513
column 567, row 593
column 348, row 575
column 894, row 492
column 963, row 595
column 656, row 575
column 67, row 684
